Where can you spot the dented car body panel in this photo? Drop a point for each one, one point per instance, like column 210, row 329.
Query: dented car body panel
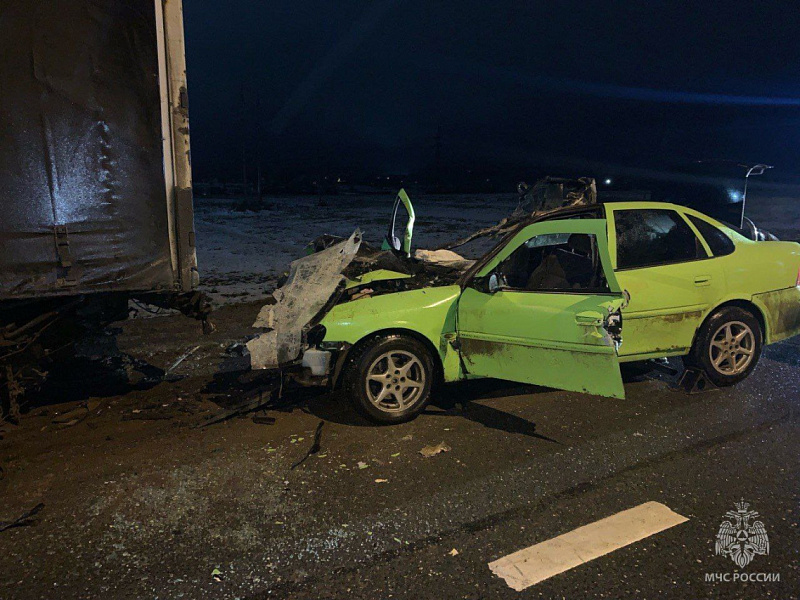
column 551, row 337
column 530, row 338
column 312, row 281
column 373, row 276
column 555, row 338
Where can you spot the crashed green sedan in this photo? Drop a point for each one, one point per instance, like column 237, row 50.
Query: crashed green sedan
column 561, row 300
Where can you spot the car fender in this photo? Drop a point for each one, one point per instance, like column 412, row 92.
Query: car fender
column 751, row 303
column 780, row 313
column 427, row 312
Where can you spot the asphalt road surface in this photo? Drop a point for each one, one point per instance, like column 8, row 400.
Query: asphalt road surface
column 140, row 504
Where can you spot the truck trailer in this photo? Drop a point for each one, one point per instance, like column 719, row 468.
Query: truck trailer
column 95, row 175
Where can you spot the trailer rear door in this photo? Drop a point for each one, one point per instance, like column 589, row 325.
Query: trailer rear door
column 95, row 187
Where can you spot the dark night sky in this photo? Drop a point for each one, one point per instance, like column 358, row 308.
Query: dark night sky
column 361, row 87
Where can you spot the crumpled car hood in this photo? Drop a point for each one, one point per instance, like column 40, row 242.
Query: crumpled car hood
column 312, row 282
column 339, row 271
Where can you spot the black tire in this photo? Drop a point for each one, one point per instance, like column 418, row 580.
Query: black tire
column 713, row 333
column 377, row 399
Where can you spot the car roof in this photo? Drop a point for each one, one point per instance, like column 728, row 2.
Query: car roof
column 648, row 204
column 644, row 205
column 580, row 211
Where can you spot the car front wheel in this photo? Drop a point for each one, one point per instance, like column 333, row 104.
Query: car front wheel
column 390, row 378
column 728, row 346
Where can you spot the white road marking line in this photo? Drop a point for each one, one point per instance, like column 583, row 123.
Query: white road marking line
column 536, row 563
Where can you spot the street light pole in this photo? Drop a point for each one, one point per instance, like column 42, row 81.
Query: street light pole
column 754, row 170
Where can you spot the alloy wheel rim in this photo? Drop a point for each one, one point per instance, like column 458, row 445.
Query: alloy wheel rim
column 732, row 348
column 395, row 381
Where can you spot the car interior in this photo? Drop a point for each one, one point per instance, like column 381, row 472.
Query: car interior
column 554, row 262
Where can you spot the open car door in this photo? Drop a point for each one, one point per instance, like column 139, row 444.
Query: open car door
column 392, row 241
column 545, row 310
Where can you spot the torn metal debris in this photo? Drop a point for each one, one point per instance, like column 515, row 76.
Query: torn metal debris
column 312, row 281
column 23, row 520
column 546, row 195
column 339, row 270
column 315, row 446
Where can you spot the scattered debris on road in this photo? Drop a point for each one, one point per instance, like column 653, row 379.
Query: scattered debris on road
column 163, row 411
column 263, row 420
column 453, row 552
column 248, row 405
column 315, row 447
column 182, row 358
column 22, row 520
column 428, row 451
column 77, row 414
column 381, row 481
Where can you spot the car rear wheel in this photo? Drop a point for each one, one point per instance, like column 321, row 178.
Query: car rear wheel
column 390, row 378
column 728, row 346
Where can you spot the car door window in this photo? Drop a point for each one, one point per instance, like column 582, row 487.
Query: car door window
column 554, row 262
column 719, row 243
column 652, row 237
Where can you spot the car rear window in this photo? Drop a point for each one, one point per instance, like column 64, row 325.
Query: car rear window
column 651, row 237
column 720, row 244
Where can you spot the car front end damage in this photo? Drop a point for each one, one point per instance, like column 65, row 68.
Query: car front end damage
column 312, row 283
column 358, row 313
column 292, row 336
column 346, row 291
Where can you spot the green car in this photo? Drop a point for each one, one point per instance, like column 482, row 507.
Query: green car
column 560, row 302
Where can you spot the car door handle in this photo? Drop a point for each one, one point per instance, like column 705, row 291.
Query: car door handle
column 702, row 280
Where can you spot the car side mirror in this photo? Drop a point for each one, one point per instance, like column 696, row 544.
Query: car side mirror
column 489, row 284
column 481, row 284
